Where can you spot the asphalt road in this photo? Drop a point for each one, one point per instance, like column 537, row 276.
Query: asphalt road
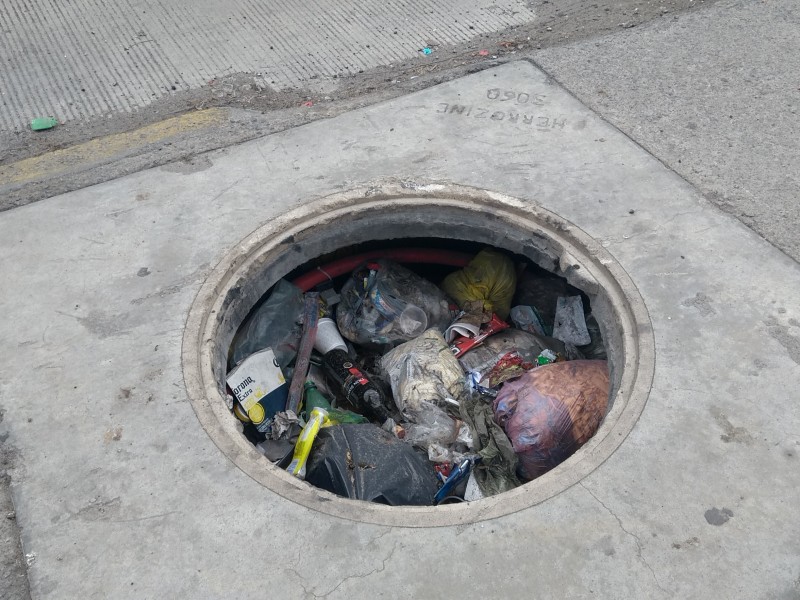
column 105, row 69
column 715, row 95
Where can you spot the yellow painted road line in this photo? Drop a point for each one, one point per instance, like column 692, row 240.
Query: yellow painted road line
column 107, row 148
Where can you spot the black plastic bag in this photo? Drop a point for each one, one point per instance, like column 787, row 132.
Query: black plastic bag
column 365, row 462
column 542, row 292
column 596, row 350
column 275, row 324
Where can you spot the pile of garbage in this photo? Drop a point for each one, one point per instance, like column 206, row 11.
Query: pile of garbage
column 382, row 386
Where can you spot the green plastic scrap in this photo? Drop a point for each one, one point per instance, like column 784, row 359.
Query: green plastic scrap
column 496, row 473
column 41, row 123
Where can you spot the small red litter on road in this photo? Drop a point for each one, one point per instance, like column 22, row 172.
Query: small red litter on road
column 307, row 104
column 483, row 53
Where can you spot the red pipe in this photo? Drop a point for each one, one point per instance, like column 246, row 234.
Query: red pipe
column 435, row 256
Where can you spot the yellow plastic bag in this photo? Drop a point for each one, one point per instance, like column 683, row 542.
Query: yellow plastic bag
column 489, row 278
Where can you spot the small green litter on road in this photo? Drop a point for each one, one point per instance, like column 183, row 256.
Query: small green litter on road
column 42, row 123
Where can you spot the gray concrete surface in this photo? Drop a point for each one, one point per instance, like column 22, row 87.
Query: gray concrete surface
column 126, row 497
column 713, row 94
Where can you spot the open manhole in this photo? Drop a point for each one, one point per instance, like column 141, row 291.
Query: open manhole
column 447, row 222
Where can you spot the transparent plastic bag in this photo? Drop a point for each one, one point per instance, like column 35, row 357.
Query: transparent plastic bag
column 431, row 425
column 423, row 370
column 457, row 451
column 385, row 303
column 507, row 355
column 440, row 454
column 426, row 381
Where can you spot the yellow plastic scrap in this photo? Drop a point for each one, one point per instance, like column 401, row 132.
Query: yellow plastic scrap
column 317, row 420
column 490, row 278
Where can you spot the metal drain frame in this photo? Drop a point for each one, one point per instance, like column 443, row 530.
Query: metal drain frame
column 416, row 210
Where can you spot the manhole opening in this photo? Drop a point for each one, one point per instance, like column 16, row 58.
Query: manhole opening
column 419, row 433
column 433, row 218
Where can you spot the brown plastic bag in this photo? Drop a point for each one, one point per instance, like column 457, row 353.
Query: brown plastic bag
column 550, row 412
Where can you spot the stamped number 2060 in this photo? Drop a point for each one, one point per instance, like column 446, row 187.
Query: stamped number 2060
column 516, row 97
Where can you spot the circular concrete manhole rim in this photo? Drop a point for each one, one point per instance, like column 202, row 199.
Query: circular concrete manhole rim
column 636, row 357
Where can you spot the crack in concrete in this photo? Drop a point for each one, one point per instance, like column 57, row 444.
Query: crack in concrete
column 349, row 577
column 227, row 189
column 635, row 537
column 381, row 535
column 307, row 593
column 147, row 518
column 680, row 389
column 293, row 571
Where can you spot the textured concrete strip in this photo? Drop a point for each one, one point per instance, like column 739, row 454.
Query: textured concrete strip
column 83, row 59
column 716, row 97
column 121, row 494
column 106, row 149
column 13, row 570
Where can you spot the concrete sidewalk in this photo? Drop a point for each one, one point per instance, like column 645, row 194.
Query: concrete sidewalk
column 120, row 493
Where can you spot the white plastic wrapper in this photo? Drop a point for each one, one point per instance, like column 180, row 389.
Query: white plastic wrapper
column 473, row 491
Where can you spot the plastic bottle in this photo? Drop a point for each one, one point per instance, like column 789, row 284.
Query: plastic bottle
column 355, row 386
column 315, row 399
